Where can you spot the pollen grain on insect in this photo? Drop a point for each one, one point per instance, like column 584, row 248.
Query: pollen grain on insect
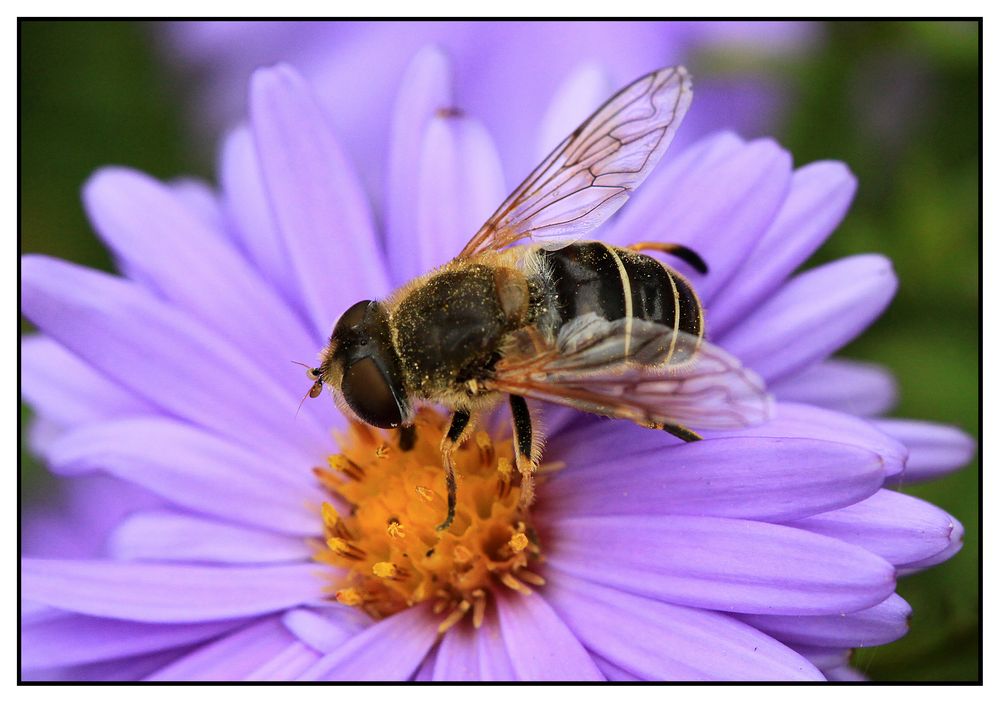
column 384, row 505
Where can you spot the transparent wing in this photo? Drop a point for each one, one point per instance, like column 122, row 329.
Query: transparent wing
column 606, row 367
column 590, row 175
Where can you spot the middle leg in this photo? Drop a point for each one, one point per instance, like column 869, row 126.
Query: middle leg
column 527, row 448
column 449, row 443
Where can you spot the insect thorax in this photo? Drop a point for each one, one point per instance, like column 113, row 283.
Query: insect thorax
column 449, row 327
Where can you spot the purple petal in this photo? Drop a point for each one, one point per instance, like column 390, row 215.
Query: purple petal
column 78, row 514
column 128, row 669
column 612, row 672
column 170, row 250
column 759, row 478
column 459, row 184
column 720, row 563
column 201, row 200
column 247, row 208
column 899, row 528
column 849, row 387
column 457, row 658
column 883, row 623
column 474, row 655
column 798, row 420
column 165, row 535
column 287, row 665
column 325, row 630
column 824, row 658
column 69, row 639
column 425, row 90
column 719, row 211
column 817, row 201
column 845, row 673
column 540, row 645
column 579, row 96
column 167, row 593
column 935, row 450
column 231, row 658
column 319, row 205
column 812, row 316
column 167, row 358
column 76, row 394
column 389, row 650
column 425, row 672
column 658, row 641
column 194, row 469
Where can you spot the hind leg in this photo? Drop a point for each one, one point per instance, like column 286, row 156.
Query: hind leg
column 679, row 250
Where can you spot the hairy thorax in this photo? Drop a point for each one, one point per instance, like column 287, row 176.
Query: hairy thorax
column 449, row 328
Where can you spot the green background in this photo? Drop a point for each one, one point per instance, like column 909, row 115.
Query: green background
column 94, row 93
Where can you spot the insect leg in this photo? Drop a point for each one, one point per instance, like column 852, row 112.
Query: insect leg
column 679, row 250
column 407, row 437
column 526, row 447
column 679, row 431
column 449, row 443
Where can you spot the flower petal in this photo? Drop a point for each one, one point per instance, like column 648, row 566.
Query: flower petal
column 389, row 650
column 722, row 564
column 230, row 658
column 851, row 387
column 817, row 201
column 759, row 478
column 327, row 631
column 457, row 658
column 66, row 390
column 163, row 356
column 611, row 671
column 880, row 624
column 581, row 93
column 127, row 669
column 799, row 420
column 935, row 450
column 167, row 592
column 424, row 91
column 194, row 469
column 719, row 211
column 540, row 646
column 174, row 253
column 899, row 528
column 70, row 639
column 459, row 185
column 245, row 201
column 166, row 535
column 812, row 316
column 317, row 202
column 658, row 641
column 286, row 665
column 474, row 655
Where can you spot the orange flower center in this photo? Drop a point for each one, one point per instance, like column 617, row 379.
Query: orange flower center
column 384, row 541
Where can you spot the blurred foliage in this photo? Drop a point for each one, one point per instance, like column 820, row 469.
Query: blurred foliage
column 897, row 101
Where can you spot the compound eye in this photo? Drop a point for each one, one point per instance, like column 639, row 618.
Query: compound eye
column 353, row 317
column 369, row 394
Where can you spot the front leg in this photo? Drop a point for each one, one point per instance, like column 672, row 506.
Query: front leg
column 527, row 448
column 449, row 443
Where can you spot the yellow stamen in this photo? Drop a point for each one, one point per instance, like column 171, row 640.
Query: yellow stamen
column 518, row 542
column 384, row 543
column 349, row 596
column 384, row 569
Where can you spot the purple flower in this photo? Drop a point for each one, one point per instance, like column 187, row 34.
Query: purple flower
column 505, row 73
column 763, row 553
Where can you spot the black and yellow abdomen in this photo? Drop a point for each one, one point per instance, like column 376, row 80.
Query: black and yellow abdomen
column 615, row 283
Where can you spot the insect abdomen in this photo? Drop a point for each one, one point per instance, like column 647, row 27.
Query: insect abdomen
column 614, row 283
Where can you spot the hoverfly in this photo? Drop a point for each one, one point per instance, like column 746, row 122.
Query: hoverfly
column 600, row 328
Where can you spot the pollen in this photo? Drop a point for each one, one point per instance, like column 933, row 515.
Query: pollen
column 384, row 505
